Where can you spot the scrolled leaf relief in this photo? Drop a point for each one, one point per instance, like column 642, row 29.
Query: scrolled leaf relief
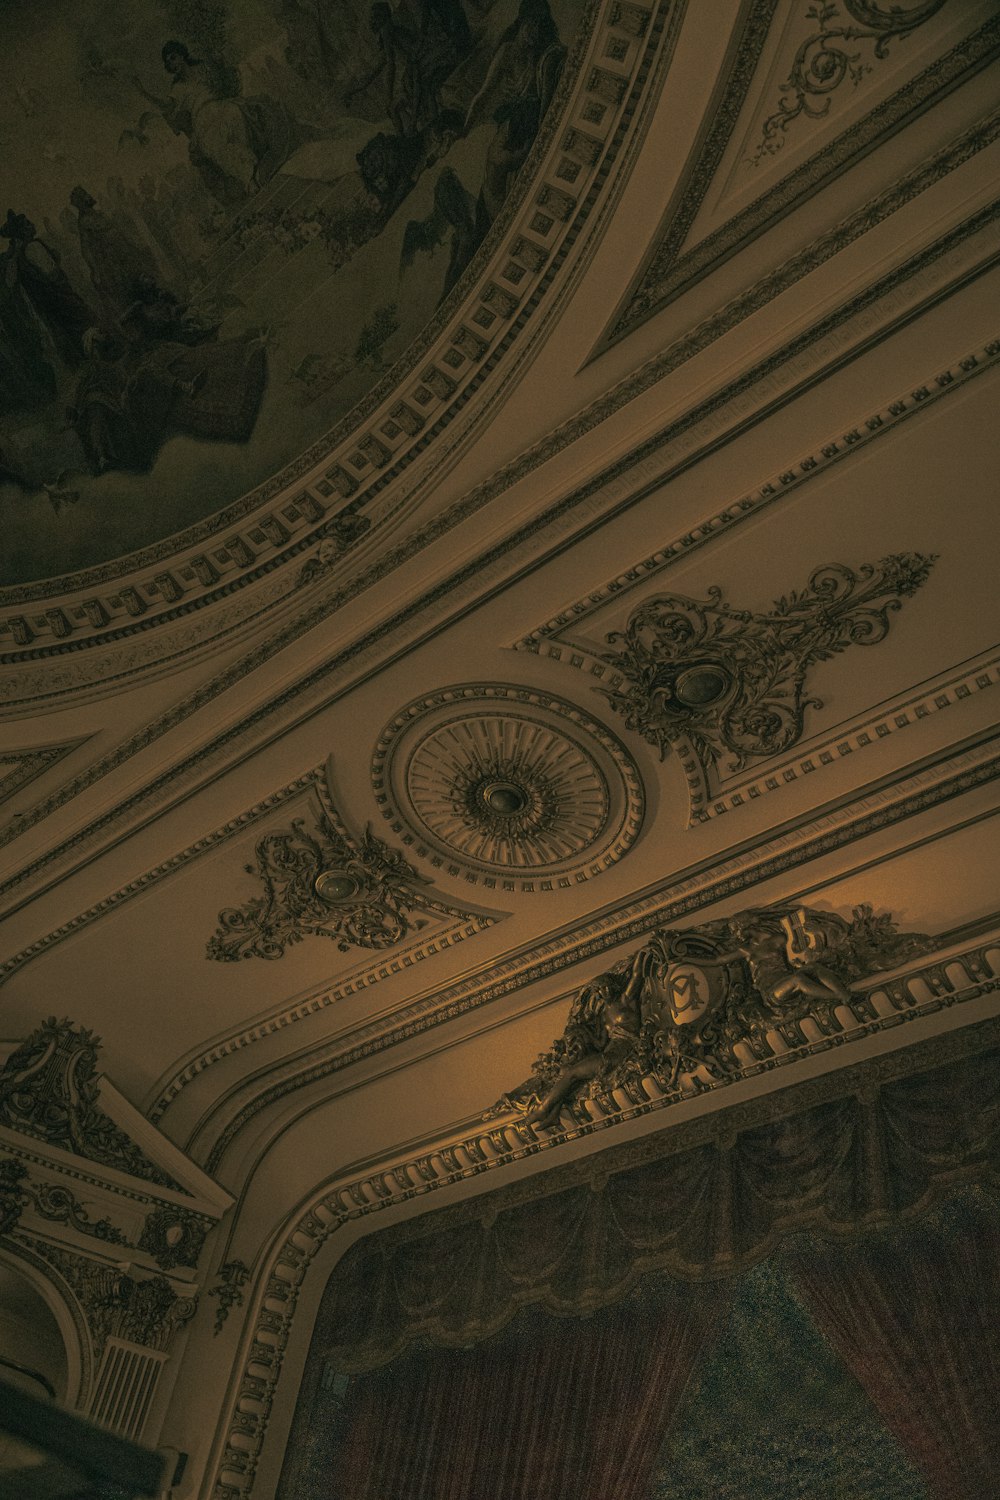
column 697, row 1005
column 13, row 1197
column 336, row 538
column 360, row 894
column 49, row 1089
column 835, row 53
column 729, row 685
column 232, row 1277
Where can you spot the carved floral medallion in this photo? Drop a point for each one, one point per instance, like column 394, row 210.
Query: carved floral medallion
column 497, row 781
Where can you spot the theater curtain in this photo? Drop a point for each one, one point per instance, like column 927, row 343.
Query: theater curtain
column 914, row 1315
column 557, row 1408
column 696, row 1205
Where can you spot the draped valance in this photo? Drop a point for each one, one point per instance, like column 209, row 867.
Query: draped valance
column 848, row 1150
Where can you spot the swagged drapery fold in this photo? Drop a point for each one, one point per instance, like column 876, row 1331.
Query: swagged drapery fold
column 913, row 1315
column 552, row 1408
column 483, row 1417
column 704, row 1211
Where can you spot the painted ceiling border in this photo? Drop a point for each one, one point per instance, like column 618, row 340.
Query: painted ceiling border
column 320, row 675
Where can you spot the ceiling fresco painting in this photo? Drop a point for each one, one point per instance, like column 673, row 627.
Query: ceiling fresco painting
column 222, row 225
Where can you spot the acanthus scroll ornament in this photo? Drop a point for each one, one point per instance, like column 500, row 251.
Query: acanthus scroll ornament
column 233, row 1276
column 727, row 685
column 823, row 61
column 49, row 1089
column 13, row 1197
column 51, row 1201
column 359, row 893
column 172, row 1238
column 336, row 538
column 699, row 1004
column 506, row 784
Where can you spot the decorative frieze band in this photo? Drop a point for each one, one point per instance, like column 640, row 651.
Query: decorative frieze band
column 553, row 636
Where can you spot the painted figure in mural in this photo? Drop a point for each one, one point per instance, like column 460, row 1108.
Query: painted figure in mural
column 27, row 379
column 515, row 94
column 112, row 431
column 454, row 210
column 603, row 1029
column 450, row 16
column 131, row 399
column 114, row 261
column 307, row 49
column 156, row 316
column 237, row 187
column 413, row 65
column 517, row 124
column 390, row 164
column 235, row 143
column 34, row 268
column 397, row 68
column 526, row 66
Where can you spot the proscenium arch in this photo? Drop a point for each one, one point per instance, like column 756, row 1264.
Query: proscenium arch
column 331, row 1220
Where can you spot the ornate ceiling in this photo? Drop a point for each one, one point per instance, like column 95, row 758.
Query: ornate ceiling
column 638, row 580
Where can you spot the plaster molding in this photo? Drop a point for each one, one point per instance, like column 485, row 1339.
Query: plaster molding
column 326, row 882
column 455, row 924
column 724, row 687
column 712, row 881
column 669, row 271
column 23, row 1249
column 901, row 713
column 947, row 979
column 148, row 650
column 582, row 799
column 18, row 768
column 226, row 831
column 839, row 446
column 637, row 463
column 821, row 64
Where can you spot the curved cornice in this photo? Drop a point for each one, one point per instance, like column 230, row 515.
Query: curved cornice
column 384, row 460
column 446, row 381
column 60, row 674
column 935, row 385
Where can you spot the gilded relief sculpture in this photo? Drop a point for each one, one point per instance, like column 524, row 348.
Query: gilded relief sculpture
column 700, row 1003
column 728, row 686
column 324, row 884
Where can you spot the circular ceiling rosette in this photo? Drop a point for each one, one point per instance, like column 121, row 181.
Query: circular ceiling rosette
column 508, row 786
